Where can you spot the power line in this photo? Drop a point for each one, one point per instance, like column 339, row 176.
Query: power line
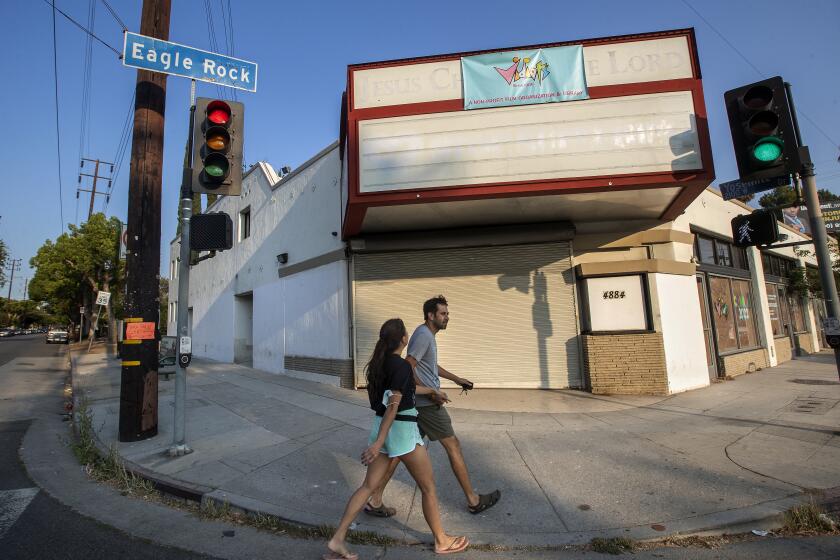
column 121, row 148
column 77, row 24
column 214, row 45
column 116, row 17
column 84, row 134
column 759, row 72
column 57, row 133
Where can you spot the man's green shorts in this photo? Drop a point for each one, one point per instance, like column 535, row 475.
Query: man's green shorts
column 434, row 422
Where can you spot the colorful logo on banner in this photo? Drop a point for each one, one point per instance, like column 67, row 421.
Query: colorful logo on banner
column 524, row 77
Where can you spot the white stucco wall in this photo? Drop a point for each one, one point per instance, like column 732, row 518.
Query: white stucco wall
column 682, row 333
column 302, row 314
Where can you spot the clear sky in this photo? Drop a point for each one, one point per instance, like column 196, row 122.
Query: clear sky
column 303, row 49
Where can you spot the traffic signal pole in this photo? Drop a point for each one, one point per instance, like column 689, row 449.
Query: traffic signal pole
column 179, row 446
column 820, row 237
column 815, row 219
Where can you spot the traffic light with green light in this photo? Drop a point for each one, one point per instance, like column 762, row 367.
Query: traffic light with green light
column 763, row 133
column 217, row 144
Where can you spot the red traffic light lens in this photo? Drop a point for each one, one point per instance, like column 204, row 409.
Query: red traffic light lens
column 218, row 112
column 758, row 97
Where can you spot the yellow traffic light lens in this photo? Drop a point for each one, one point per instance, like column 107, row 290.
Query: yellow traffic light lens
column 217, row 142
column 764, row 123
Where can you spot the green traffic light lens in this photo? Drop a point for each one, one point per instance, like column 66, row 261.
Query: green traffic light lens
column 768, row 150
column 214, row 171
column 216, row 167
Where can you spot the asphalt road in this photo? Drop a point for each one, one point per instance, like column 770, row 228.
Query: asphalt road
column 33, row 524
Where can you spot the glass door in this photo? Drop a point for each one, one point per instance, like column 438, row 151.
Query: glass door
column 708, row 332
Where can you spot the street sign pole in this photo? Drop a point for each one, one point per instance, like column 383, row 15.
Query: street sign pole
column 179, row 446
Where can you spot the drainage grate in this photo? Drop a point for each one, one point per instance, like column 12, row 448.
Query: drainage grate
column 815, row 382
column 25, row 364
column 811, row 405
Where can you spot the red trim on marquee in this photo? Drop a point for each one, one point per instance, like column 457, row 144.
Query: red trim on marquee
column 693, row 182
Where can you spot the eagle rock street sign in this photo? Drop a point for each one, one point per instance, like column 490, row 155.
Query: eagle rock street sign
column 155, row 55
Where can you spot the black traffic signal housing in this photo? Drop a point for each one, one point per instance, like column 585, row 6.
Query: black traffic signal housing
column 217, row 146
column 754, row 230
column 211, row 232
column 763, row 131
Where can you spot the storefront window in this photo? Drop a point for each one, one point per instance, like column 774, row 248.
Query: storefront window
column 775, row 310
column 743, row 309
column 727, row 338
column 706, row 249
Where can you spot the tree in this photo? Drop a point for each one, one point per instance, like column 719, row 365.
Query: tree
column 71, row 270
column 782, row 196
column 163, row 294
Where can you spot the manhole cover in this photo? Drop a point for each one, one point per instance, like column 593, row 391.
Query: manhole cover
column 811, row 405
column 815, row 382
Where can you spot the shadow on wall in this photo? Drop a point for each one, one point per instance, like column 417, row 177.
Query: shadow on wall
column 525, row 281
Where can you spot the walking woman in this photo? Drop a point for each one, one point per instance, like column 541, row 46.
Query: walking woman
column 394, row 437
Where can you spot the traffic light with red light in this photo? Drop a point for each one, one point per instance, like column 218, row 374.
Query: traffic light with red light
column 763, row 132
column 217, row 144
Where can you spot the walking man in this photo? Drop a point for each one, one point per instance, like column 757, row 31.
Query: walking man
column 432, row 419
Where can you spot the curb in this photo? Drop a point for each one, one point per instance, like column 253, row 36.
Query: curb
column 766, row 515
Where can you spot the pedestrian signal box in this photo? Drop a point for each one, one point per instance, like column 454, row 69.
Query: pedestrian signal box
column 211, row 232
column 754, row 230
column 217, row 146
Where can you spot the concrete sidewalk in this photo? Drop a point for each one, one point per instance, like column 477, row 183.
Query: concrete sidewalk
column 571, row 466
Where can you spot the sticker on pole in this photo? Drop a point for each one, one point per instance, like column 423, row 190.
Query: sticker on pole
column 102, row 298
column 140, row 331
column 831, row 326
column 185, row 346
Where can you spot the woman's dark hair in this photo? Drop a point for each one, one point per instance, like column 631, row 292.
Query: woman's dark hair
column 390, row 336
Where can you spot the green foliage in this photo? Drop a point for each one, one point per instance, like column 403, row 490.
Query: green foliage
column 163, row 297
column 22, row 314
column 781, row 196
column 72, row 268
column 615, row 545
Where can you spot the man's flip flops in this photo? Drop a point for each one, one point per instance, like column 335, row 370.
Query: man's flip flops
column 381, row 511
column 460, row 544
column 485, row 501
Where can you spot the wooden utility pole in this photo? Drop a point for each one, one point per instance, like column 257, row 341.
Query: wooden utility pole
column 139, row 380
column 13, row 266
column 95, row 177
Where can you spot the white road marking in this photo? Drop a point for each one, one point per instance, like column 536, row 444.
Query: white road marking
column 12, row 504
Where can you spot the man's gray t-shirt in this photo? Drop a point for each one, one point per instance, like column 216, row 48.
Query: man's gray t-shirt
column 423, row 348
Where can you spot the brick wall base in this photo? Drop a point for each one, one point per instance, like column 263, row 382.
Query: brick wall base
column 745, row 362
column 783, row 349
column 625, row 364
column 806, row 344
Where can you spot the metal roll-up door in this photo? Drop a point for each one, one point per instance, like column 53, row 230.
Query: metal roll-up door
column 512, row 322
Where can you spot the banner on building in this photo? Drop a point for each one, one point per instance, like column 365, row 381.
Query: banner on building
column 524, row 77
column 797, row 218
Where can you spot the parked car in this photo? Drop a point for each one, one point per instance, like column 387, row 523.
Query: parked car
column 58, row 335
column 6, row 332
